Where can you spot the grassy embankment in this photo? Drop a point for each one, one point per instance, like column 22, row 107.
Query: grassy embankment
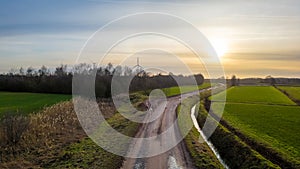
column 202, row 155
column 28, row 102
column 234, row 152
column 267, row 120
column 53, row 138
column 87, row 154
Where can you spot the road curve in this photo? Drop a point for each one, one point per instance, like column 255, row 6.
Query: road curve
column 177, row 157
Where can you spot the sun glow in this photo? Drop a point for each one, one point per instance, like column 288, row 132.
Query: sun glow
column 220, row 46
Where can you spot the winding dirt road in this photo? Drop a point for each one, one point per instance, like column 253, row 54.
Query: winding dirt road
column 177, row 157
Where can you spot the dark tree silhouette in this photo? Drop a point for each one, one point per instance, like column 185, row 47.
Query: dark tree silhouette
column 60, row 81
column 270, row 80
column 233, row 80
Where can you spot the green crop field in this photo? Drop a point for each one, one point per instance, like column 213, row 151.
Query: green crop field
column 266, row 115
column 293, row 92
column 172, row 91
column 255, row 94
column 28, row 102
column 276, row 126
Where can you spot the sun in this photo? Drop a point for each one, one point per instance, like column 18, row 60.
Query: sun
column 220, row 46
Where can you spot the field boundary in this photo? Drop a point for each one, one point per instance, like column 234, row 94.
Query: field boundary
column 289, row 96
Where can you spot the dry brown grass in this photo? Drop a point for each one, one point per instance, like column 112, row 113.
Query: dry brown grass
column 45, row 135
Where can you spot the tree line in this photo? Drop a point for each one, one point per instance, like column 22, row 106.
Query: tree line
column 268, row 81
column 59, row 80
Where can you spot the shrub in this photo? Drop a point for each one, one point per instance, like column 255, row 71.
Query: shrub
column 12, row 128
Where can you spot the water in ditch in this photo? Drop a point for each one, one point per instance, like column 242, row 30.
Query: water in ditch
column 211, row 146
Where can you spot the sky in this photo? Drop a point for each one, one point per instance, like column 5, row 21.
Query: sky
column 252, row 38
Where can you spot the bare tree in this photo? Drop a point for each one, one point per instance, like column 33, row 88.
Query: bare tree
column 270, row 80
column 43, row 71
column 22, row 71
column 61, row 70
column 12, row 72
column 127, row 71
column 118, row 70
column 233, row 81
column 30, row 71
column 109, row 69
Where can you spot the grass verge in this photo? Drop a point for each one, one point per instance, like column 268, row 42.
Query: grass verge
column 202, row 155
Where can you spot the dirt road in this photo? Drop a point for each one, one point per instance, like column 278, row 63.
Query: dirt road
column 176, row 157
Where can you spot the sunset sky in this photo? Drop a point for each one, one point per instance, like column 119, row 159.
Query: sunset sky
column 253, row 38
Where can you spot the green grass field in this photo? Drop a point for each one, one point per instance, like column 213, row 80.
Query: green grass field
column 275, row 126
column 265, row 115
column 28, row 102
column 255, row 94
column 172, row 91
column 293, row 92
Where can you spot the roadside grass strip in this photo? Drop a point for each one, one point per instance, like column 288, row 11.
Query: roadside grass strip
column 202, row 155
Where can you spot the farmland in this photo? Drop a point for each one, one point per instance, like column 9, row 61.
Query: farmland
column 172, row 91
column 255, row 94
column 28, row 102
column 265, row 115
column 292, row 92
